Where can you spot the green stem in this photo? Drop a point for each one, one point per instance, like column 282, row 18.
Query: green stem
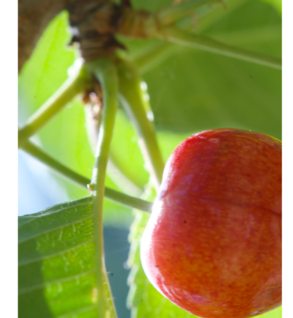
column 175, row 35
column 154, row 54
column 81, row 181
column 250, row 35
column 132, row 100
column 58, row 167
column 115, row 171
column 72, row 87
column 128, row 201
column 105, row 72
column 170, row 14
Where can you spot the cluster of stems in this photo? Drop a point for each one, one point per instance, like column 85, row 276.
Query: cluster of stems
column 107, row 72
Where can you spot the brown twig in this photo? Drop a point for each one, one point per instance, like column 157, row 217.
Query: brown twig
column 93, row 25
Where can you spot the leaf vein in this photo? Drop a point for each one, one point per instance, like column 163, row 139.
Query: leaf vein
column 48, row 212
column 40, row 258
column 53, row 229
column 78, row 311
column 58, row 281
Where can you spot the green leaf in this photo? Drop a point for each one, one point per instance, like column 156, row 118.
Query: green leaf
column 56, row 262
column 150, row 5
column 194, row 90
column 275, row 3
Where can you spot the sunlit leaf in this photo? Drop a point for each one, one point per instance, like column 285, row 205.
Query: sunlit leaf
column 276, row 3
column 56, row 262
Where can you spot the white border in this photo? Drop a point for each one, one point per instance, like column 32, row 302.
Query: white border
column 8, row 165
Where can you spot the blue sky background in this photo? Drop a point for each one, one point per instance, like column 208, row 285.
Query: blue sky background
column 37, row 190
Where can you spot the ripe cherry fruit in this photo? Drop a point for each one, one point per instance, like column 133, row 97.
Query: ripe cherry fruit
column 213, row 242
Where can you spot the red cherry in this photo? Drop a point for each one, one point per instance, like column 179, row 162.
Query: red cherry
column 213, row 242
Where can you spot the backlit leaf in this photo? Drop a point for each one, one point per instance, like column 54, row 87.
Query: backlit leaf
column 56, row 262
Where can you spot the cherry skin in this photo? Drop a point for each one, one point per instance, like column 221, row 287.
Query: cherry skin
column 212, row 245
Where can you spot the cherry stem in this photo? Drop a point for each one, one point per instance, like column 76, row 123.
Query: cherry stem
column 105, row 72
column 81, row 181
column 205, row 43
column 132, row 99
column 72, row 86
column 115, row 169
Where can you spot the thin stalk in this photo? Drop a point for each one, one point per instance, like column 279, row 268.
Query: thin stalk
column 250, row 35
column 105, row 72
column 181, row 37
column 154, row 54
column 128, row 201
column 56, row 166
column 171, row 14
column 131, row 98
column 72, row 87
column 116, row 172
column 81, row 181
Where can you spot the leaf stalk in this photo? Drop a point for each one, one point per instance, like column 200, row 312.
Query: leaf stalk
column 175, row 35
column 131, row 98
column 71, row 87
column 105, row 72
column 81, row 181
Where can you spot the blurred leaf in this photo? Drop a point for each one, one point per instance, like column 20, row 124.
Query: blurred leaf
column 195, row 90
column 275, row 3
column 64, row 137
column 150, row 5
column 56, row 262
column 46, row 69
